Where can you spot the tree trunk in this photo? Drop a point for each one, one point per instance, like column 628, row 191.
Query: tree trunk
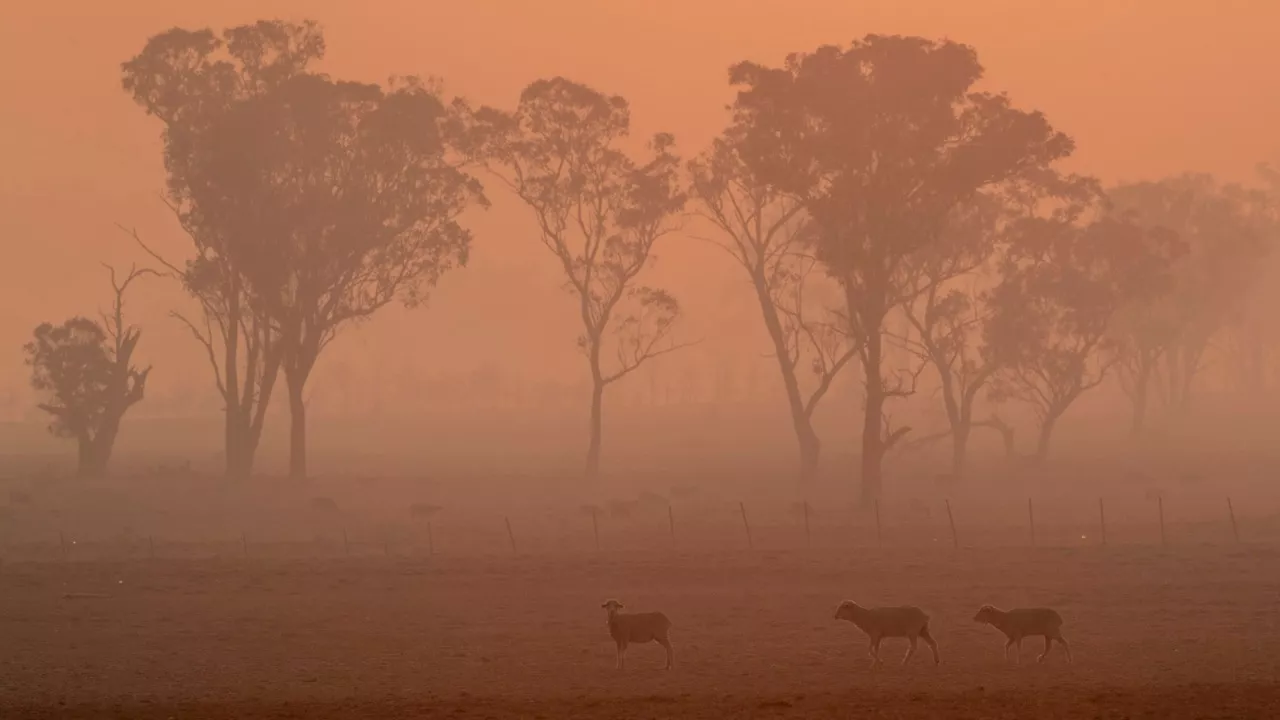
column 1140, row 389
column 873, row 415
column 593, row 444
column 806, row 437
column 84, row 456
column 1046, row 436
column 960, row 447
column 810, row 453
column 297, row 425
column 595, row 429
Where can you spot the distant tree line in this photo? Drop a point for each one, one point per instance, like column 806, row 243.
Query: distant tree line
column 872, row 197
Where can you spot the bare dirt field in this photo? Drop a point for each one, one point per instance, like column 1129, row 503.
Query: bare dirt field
column 1191, row 632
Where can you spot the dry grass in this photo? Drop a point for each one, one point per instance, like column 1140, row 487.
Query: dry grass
column 1162, row 635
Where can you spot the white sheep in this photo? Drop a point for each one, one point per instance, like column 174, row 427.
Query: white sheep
column 889, row 622
column 1019, row 623
column 626, row 628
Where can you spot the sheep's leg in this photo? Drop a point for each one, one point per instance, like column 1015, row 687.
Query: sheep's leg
column 1065, row 647
column 911, row 650
column 622, row 655
column 1048, row 643
column 1018, row 656
column 1007, row 645
column 933, row 645
column 671, row 658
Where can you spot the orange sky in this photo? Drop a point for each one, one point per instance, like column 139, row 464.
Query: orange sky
column 1147, row 87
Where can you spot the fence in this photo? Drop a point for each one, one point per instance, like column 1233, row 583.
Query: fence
column 952, row 525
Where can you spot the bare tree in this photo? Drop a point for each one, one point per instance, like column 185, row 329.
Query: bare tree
column 86, row 369
column 880, row 141
column 763, row 230
column 598, row 212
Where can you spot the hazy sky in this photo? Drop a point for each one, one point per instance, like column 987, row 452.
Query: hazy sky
column 1147, row 87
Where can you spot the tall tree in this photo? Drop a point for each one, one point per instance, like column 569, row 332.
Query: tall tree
column 880, row 141
column 86, row 370
column 763, row 230
column 189, row 80
column 339, row 198
column 326, row 201
column 1054, row 308
column 598, row 212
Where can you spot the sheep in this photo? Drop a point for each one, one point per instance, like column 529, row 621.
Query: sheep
column 626, row 628
column 1019, row 623
column 889, row 622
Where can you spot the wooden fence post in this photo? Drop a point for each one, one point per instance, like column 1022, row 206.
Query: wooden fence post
column 511, row 535
column 955, row 541
column 1231, row 511
column 742, row 507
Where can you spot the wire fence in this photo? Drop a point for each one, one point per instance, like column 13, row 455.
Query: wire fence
column 916, row 526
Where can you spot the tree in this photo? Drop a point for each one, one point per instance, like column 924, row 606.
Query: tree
column 1058, row 297
column 598, row 212
column 1223, row 227
column 328, row 200
column 86, row 370
column 341, row 198
column 189, row 80
column 762, row 229
column 881, row 141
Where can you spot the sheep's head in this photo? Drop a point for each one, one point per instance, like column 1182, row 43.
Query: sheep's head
column 846, row 609
column 985, row 614
column 611, row 606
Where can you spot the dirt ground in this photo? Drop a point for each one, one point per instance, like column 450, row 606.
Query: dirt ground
column 1192, row 632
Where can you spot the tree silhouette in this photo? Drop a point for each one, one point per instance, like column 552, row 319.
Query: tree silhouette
column 331, row 200
column 189, row 80
column 763, row 229
column 341, row 199
column 1059, row 294
column 881, row 141
column 86, row 371
column 598, row 212
column 1225, row 231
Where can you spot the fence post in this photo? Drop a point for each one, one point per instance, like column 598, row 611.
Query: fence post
column 1102, row 519
column 955, row 541
column 808, row 538
column 511, row 535
column 244, row 544
column 742, row 507
column 1235, row 531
